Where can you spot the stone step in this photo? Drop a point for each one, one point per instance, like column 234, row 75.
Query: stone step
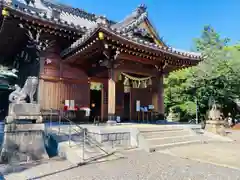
column 91, row 148
column 87, row 152
column 159, row 129
column 75, row 152
column 166, row 146
column 167, row 140
column 158, row 145
column 160, row 134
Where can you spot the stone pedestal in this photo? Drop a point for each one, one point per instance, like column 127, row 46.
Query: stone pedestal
column 216, row 126
column 23, row 142
column 27, row 111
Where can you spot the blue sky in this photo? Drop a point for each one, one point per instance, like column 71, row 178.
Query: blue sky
column 178, row 21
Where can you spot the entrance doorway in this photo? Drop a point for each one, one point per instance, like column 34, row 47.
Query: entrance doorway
column 126, row 106
column 4, row 104
column 95, row 104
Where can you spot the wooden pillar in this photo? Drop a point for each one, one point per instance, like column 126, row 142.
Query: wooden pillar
column 41, row 82
column 111, row 95
column 160, row 95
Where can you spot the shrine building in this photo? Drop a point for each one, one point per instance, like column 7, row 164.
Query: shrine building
column 110, row 67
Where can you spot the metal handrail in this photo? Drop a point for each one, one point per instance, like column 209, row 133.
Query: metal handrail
column 78, row 130
column 84, row 135
column 50, row 119
column 75, row 124
column 70, row 133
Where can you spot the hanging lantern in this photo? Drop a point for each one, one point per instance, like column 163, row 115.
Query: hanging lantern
column 5, row 12
column 101, row 35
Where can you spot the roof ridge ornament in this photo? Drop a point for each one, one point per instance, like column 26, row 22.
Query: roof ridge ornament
column 28, row 2
column 102, row 20
column 8, row 2
column 142, row 8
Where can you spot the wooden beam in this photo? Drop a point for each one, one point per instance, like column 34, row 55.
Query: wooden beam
column 96, row 70
column 134, row 58
column 58, row 79
column 137, row 69
column 85, row 54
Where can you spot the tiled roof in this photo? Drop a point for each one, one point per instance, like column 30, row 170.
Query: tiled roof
column 70, row 10
column 72, row 15
column 183, row 51
column 81, row 20
column 43, row 14
column 133, row 20
column 134, row 40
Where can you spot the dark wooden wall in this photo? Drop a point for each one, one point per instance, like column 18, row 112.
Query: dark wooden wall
column 59, row 81
column 120, row 99
column 143, row 95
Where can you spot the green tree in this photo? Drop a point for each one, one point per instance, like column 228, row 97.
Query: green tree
column 215, row 78
column 177, row 96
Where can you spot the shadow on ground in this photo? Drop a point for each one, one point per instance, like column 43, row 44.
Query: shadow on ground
column 6, row 169
column 88, row 162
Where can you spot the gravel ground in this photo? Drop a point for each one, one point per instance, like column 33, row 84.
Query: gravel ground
column 139, row 165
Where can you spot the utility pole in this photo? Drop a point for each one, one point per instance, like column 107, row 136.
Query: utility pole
column 196, row 110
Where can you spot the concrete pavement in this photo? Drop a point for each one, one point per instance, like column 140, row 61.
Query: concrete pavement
column 136, row 165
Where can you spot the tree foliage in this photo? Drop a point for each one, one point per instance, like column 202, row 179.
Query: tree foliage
column 215, row 78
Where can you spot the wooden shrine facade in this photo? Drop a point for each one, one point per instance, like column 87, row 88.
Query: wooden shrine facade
column 76, row 49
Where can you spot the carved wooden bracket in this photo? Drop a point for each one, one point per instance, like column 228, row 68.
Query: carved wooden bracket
column 35, row 40
column 161, row 68
column 110, row 61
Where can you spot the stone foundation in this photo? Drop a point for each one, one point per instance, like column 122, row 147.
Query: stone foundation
column 216, row 126
column 112, row 139
column 23, row 142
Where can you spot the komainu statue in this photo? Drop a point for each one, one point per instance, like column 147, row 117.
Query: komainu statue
column 19, row 95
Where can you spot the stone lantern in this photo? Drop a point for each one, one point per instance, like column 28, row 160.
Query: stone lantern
column 215, row 122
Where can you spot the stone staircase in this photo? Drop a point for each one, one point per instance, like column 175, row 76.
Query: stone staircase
column 77, row 152
column 166, row 137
